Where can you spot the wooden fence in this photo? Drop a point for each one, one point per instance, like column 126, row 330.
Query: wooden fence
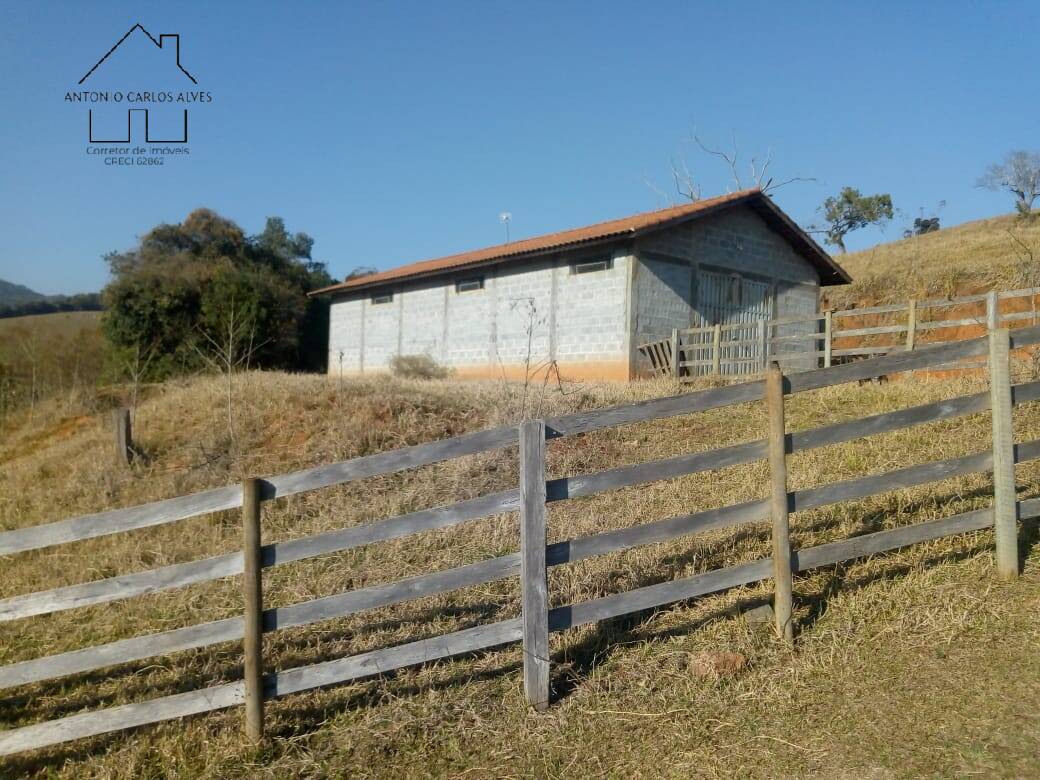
column 533, row 492
column 810, row 341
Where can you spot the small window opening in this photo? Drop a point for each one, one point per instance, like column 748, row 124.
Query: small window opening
column 590, row 267
column 382, row 298
column 469, row 285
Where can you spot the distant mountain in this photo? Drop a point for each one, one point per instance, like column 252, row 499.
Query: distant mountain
column 19, row 301
column 11, row 293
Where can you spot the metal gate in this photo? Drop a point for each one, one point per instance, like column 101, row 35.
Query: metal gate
column 731, row 300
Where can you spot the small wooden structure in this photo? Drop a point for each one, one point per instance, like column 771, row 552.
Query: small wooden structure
column 819, row 340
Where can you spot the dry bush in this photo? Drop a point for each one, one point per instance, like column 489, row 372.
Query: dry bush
column 418, row 367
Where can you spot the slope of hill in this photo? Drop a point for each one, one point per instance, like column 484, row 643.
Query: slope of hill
column 1002, row 252
column 11, row 293
column 899, row 658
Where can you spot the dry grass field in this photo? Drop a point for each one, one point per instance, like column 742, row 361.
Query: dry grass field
column 1002, row 252
column 913, row 663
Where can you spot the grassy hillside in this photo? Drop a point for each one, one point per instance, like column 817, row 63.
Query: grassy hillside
column 1002, row 252
column 17, row 293
column 913, row 663
column 60, row 325
column 59, row 357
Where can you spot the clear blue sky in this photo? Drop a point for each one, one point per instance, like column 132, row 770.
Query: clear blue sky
column 392, row 132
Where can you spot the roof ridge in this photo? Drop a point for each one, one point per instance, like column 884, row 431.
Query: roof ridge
column 598, row 231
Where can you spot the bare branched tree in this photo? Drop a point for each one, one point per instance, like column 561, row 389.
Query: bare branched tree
column 758, row 168
column 229, row 349
column 1018, row 174
column 30, row 346
column 755, row 173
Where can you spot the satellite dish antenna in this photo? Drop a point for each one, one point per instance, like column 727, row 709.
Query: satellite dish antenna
column 505, row 218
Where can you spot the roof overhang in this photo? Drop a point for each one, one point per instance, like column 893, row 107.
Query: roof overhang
column 609, row 232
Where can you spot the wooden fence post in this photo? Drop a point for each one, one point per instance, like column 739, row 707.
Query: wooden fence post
column 1005, row 515
column 762, row 343
column 533, row 581
column 252, row 593
column 782, row 598
column 828, row 330
column 716, row 349
column 123, row 436
column 911, row 325
column 992, row 311
column 675, row 353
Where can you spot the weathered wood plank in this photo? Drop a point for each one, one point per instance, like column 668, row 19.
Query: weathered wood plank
column 675, row 354
column 134, row 649
column 253, row 624
column 781, row 529
column 351, row 602
column 1015, row 316
column 89, row 724
column 179, row 575
column 121, row 587
column 283, row 683
column 911, row 325
column 117, row 520
column 665, row 468
column 354, row 601
column 863, row 487
column 1020, row 293
column 941, row 324
column 192, row 572
column 1005, row 522
column 716, row 352
column 876, row 349
column 869, row 331
column 883, row 541
column 230, row 497
column 887, row 308
column 381, row 661
column 393, row 527
column 889, row 364
column 828, row 337
column 657, row 531
column 655, row 409
column 90, row 526
column 658, row 595
column 124, row 451
column 441, row 517
column 796, row 337
column 533, row 582
column 484, row 637
column 274, row 619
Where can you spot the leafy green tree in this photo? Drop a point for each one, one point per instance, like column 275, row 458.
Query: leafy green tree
column 850, row 210
column 179, row 287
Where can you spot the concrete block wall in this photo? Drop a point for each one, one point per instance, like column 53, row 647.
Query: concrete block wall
column 736, row 240
column 541, row 311
column 592, row 318
column 589, row 324
column 661, row 298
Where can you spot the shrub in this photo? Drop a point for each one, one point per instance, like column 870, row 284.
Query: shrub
column 418, row 367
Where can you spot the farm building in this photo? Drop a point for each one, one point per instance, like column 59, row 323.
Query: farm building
column 583, row 300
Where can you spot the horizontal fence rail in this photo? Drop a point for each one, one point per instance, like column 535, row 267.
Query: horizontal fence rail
column 535, row 556
column 733, row 349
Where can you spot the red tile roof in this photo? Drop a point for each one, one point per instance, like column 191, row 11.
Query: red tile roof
column 830, row 272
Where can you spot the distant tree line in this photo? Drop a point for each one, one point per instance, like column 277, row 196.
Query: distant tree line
column 52, row 304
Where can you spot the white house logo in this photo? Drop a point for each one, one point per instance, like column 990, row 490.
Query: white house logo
column 138, row 95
